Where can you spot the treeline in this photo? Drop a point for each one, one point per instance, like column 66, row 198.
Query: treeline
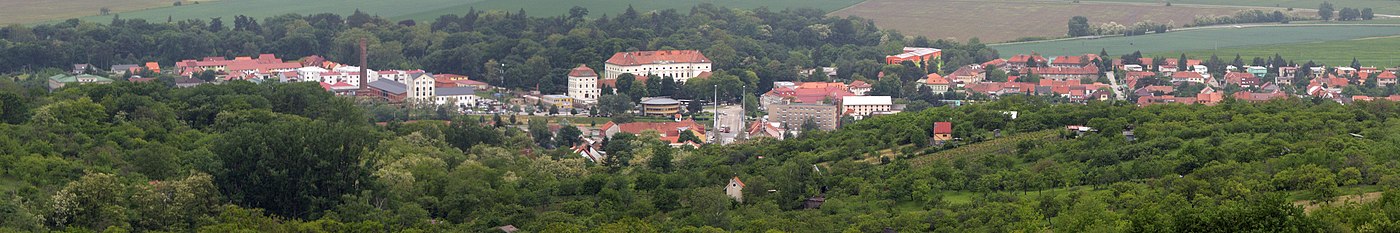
column 1249, row 16
column 508, row 49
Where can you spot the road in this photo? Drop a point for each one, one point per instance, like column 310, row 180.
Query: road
column 733, row 117
column 1117, row 90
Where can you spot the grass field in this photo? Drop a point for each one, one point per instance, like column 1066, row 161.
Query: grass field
column 1209, row 39
column 999, row 20
column 28, row 11
column 1380, row 6
column 431, row 9
column 1377, row 51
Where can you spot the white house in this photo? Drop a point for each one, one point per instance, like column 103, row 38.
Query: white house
column 861, row 106
column 679, row 64
column 735, row 189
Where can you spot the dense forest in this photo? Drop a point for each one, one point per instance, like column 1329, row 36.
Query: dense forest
column 276, row 157
column 291, row 157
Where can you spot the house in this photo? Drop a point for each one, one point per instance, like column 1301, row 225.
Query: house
column 1386, row 78
column 1074, row 61
column 995, row 89
column 1131, row 78
column 995, row 63
column 342, row 89
column 1257, row 71
column 679, row 64
column 1066, row 73
column 583, row 84
column 265, row 64
column 565, row 102
column 968, row 74
column 122, row 69
column 188, row 82
column 1188, row 77
column 61, row 80
column 1286, row 75
column 807, row 93
column 935, row 82
column 1242, row 79
column 942, row 131
column 456, row 96
column 589, row 149
column 1209, row 96
column 735, row 189
column 453, row 80
column 814, row 202
column 668, row 132
column 763, row 128
column 81, row 68
column 660, row 106
column 914, row 54
column 1021, row 61
column 1253, row 97
column 153, row 67
column 859, row 87
column 860, row 107
column 1154, row 90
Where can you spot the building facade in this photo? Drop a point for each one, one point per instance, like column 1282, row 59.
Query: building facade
column 860, row 107
column 793, row 115
column 679, row 64
column 583, row 84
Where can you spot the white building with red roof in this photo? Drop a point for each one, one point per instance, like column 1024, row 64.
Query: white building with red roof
column 916, row 55
column 583, row 84
column 678, row 64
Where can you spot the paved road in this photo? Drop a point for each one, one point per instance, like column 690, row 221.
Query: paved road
column 733, row 117
column 1117, row 90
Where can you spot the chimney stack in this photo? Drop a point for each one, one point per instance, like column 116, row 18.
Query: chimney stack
column 364, row 66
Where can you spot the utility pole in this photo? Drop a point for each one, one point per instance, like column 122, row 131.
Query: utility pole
column 714, row 121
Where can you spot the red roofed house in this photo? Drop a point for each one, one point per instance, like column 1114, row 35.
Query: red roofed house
column 1209, row 96
column 936, row 82
column 263, row 67
column 669, row 132
column 679, row 64
column 968, row 74
column 453, row 80
column 942, row 131
column 1022, row 61
column 1188, row 77
column 1242, row 79
column 859, row 87
column 1061, row 74
column 766, row 129
column 1386, row 78
column 735, row 189
column 915, row 55
column 1074, row 61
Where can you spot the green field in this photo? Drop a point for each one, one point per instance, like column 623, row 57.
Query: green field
column 1380, row 6
column 431, row 9
column 1206, row 39
column 1380, row 51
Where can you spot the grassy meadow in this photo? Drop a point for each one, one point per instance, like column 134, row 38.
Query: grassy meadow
column 1380, row 6
column 1000, row 20
column 431, row 9
column 1219, row 39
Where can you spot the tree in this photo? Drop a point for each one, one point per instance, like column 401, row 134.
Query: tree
column 688, row 136
column 216, row 24
column 1325, row 10
column 694, row 107
column 539, row 130
column 661, row 159
column 624, row 83
column 569, row 135
column 293, row 168
column 810, row 125
column 611, row 105
column 1367, row 14
column 1181, row 63
column 1079, row 26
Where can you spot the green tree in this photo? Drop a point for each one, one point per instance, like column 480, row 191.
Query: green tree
column 1079, row 26
column 294, row 169
column 1325, row 10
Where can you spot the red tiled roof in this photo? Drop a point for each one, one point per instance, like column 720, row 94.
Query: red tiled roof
column 859, row 84
column 1187, row 75
column 943, row 127
column 935, row 79
column 1386, row 75
column 1258, row 97
column 1241, row 78
column 741, row 183
column 995, row 62
column 654, row 57
column 671, row 130
column 1075, row 60
column 1084, row 70
column 582, row 71
column 1022, row 58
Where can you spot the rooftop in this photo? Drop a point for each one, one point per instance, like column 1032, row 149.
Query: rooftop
column 657, row 57
column 866, row 100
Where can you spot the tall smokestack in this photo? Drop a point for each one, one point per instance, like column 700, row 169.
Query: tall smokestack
column 364, row 67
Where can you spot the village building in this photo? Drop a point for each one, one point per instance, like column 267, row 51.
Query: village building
column 860, row 107
column 968, row 74
column 936, row 83
column 859, row 87
column 668, row 132
column 916, row 55
column 793, row 115
column 61, row 80
column 763, row 128
column 942, row 131
column 735, row 189
column 1066, row 73
column 1242, row 79
column 679, row 64
column 583, row 84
